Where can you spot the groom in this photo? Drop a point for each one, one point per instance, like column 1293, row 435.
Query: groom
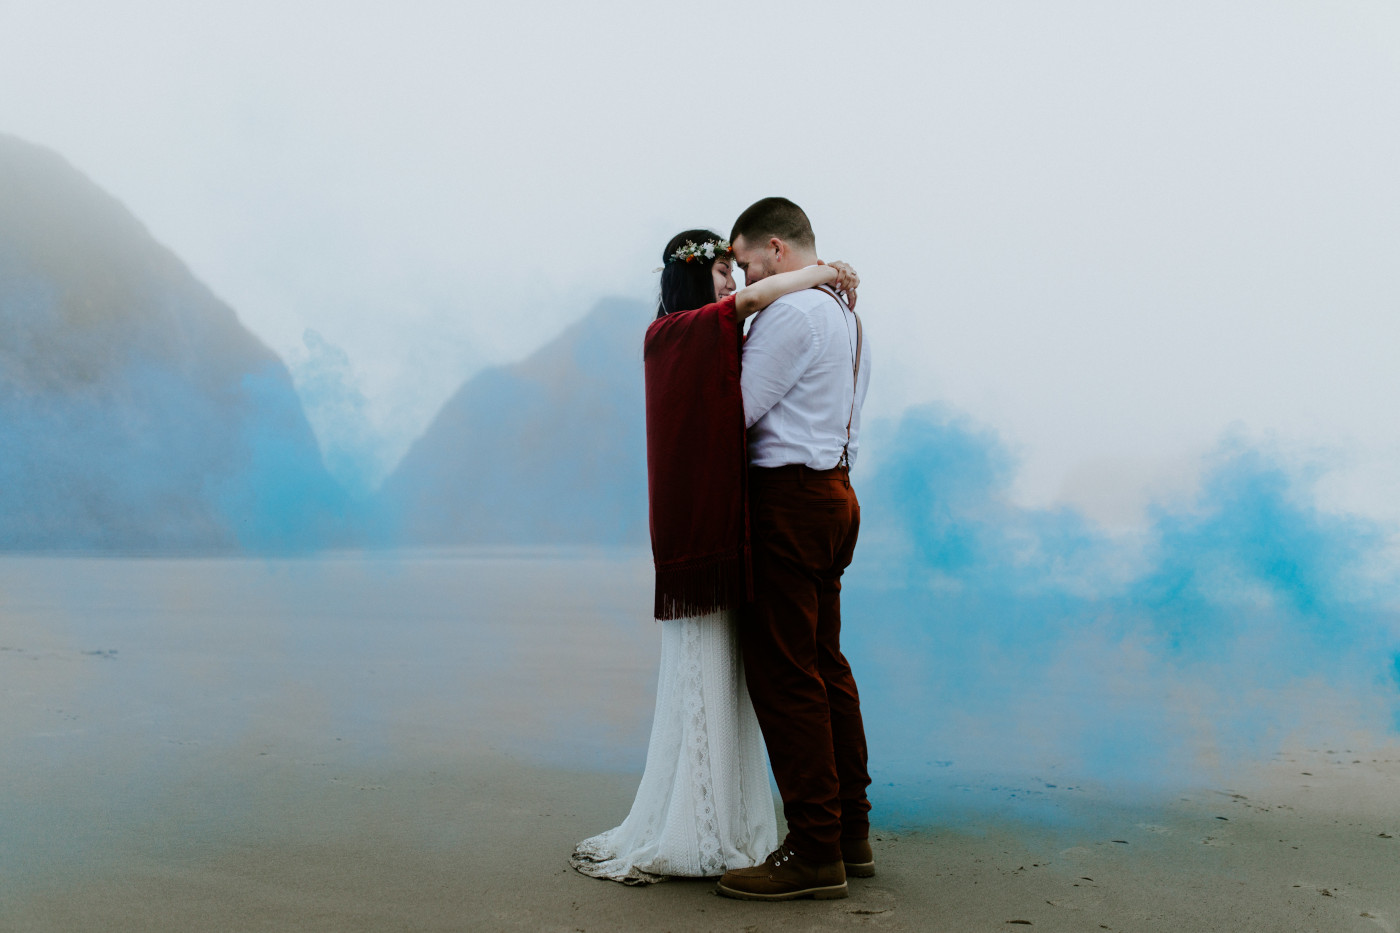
column 804, row 376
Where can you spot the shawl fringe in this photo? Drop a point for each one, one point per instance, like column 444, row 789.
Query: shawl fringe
column 700, row 587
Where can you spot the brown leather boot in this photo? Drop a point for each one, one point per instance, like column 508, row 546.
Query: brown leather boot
column 785, row 876
column 859, row 859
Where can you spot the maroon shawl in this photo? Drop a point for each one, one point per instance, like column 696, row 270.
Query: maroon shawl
column 697, row 461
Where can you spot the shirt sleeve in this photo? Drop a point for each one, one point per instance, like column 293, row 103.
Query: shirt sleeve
column 782, row 345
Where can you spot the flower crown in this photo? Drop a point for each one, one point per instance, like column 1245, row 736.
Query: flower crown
column 710, row 249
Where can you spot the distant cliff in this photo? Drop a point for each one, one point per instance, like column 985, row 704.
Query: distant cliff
column 551, row 449
column 135, row 410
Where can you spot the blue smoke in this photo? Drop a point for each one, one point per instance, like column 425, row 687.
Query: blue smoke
column 280, row 498
column 992, row 640
column 150, row 460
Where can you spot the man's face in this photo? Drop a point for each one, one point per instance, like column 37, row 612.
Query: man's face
column 757, row 260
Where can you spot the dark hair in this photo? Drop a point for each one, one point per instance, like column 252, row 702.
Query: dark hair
column 774, row 217
column 686, row 286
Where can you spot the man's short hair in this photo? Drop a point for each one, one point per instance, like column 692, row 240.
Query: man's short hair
column 774, row 217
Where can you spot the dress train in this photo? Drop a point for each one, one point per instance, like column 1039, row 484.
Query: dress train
column 704, row 804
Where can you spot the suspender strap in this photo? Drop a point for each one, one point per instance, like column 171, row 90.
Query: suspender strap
column 855, row 374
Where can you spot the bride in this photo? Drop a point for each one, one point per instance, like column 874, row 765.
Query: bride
column 704, row 805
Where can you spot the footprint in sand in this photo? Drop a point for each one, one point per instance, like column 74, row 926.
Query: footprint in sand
column 1379, row 920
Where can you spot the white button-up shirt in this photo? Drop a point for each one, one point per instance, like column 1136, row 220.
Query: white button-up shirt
column 796, row 381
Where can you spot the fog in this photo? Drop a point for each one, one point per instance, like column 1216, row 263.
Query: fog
column 1112, row 232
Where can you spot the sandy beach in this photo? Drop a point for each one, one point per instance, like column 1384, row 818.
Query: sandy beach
column 212, row 745
column 481, row 845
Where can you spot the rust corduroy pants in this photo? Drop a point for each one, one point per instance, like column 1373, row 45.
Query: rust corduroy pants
column 803, row 526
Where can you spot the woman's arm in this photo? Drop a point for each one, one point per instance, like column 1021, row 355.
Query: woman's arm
column 846, row 282
column 754, row 298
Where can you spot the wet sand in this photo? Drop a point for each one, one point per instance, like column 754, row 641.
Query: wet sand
column 195, row 762
column 480, row 844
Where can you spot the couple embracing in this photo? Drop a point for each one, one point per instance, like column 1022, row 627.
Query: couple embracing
column 753, row 520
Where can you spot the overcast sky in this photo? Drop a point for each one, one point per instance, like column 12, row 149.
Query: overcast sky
column 1111, row 231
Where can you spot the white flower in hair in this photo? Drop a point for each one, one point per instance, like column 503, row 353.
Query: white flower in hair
column 710, row 249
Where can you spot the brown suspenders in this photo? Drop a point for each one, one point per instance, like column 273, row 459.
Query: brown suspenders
column 845, row 460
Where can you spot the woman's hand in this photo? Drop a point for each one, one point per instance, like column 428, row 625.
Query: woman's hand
column 846, row 281
column 752, row 299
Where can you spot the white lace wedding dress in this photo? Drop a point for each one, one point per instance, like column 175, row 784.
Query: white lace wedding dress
column 704, row 804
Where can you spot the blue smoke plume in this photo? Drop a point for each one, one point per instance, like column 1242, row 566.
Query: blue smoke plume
column 149, row 461
column 993, row 640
